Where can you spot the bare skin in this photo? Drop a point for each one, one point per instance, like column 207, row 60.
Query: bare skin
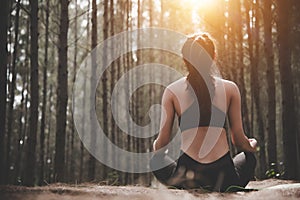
column 176, row 99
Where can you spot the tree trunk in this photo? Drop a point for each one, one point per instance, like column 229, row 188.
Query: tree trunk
column 296, row 72
column 10, row 114
column 241, row 66
column 126, row 63
column 289, row 115
column 104, row 81
column 20, row 141
column 22, row 160
column 257, row 98
column 81, row 164
column 23, row 113
column 29, row 178
column 250, row 52
column 4, row 13
column 62, row 93
column 72, row 164
column 113, row 71
column 44, row 105
column 92, row 160
column 253, row 56
column 113, row 74
column 232, row 30
column 269, row 53
column 48, row 148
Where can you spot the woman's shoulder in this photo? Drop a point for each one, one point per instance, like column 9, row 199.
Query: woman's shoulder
column 227, row 83
column 177, row 87
column 177, row 84
column 231, row 87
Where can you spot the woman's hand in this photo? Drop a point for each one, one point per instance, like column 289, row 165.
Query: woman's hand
column 154, row 143
column 253, row 143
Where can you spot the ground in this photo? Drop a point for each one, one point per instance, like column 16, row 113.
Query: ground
column 268, row 189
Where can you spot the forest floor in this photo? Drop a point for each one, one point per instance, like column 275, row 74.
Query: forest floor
column 267, row 189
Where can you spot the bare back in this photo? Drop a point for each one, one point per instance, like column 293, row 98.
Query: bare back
column 192, row 139
column 204, row 144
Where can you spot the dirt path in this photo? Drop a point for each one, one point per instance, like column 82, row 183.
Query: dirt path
column 277, row 189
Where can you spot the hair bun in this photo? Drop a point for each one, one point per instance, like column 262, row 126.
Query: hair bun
column 203, row 39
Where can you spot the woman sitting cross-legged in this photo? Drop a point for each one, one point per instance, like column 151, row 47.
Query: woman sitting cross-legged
column 202, row 101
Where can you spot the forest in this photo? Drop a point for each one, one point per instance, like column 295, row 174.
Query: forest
column 46, row 44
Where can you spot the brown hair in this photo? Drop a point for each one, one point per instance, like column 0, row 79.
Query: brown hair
column 198, row 54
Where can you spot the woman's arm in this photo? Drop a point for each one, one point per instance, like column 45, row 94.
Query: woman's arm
column 166, row 122
column 239, row 139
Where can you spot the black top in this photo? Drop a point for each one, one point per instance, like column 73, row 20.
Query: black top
column 190, row 118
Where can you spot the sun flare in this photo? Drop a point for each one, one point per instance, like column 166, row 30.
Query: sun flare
column 201, row 3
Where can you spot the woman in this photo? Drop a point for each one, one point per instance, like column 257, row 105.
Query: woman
column 205, row 160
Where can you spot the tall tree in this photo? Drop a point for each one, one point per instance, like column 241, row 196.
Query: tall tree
column 269, row 54
column 62, row 92
column 20, row 141
column 289, row 115
column 23, row 115
column 48, row 148
column 232, row 31
column 104, row 80
column 72, row 164
column 29, row 177
column 255, row 87
column 113, row 66
column 242, row 66
column 253, row 50
column 44, row 102
column 296, row 49
column 4, row 12
column 92, row 160
column 127, row 140
column 251, row 56
column 10, row 114
column 84, row 103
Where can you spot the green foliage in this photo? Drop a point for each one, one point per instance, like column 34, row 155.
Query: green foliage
column 112, row 177
column 274, row 171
